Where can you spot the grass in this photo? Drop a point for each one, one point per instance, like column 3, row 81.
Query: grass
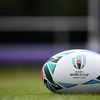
column 26, row 84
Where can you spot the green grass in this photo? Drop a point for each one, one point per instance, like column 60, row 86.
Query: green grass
column 26, row 84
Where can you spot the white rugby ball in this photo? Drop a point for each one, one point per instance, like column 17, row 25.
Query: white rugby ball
column 73, row 71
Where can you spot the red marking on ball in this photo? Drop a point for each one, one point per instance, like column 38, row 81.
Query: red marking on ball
column 78, row 61
column 42, row 73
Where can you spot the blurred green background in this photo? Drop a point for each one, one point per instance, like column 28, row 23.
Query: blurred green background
column 44, row 7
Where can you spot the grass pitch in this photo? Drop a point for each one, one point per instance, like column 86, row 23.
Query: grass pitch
column 26, row 84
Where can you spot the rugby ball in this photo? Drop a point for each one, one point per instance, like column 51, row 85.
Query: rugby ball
column 73, row 71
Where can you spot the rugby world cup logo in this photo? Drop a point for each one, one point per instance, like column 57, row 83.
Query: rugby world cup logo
column 79, row 61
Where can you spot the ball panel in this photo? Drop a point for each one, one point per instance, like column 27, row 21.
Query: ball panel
column 51, row 67
column 48, row 74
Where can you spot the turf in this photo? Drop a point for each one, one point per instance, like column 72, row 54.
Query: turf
column 26, row 84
